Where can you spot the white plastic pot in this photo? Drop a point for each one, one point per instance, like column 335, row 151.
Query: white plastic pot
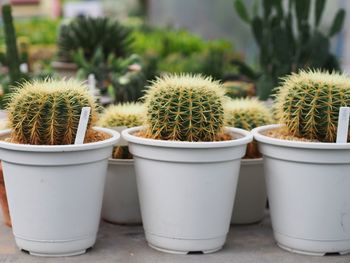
column 186, row 190
column 120, row 201
column 250, row 198
column 308, row 189
column 55, row 194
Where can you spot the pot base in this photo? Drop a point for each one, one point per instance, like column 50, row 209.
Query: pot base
column 312, row 247
column 77, row 253
column 185, row 246
column 55, row 248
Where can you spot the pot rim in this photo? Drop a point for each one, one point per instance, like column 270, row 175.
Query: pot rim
column 293, row 144
column 246, row 138
column 61, row 148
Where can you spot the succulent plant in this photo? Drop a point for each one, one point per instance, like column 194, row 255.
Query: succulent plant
column 248, row 113
column 119, row 115
column 89, row 33
column 290, row 36
column 47, row 112
column 185, row 108
column 12, row 58
column 126, row 114
column 308, row 103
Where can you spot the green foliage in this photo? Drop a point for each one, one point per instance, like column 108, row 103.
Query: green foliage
column 288, row 41
column 128, row 86
column 178, row 51
column 239, row 89
column 185, row 108
column 308, row 103
column 124, row 78
column 12, row 58
column 47, row 112
column 40, row 31
column 124, row 114
column 89, row 33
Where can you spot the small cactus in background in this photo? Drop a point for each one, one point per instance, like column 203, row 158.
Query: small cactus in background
column 239, row 89
column 247, row 114
column 308, row 103
column 47, row 112
column 185, row 108
column 122, row 115
column 126, row 114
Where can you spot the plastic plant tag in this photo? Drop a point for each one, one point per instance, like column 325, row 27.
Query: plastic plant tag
column 343, row 125
column 92, row 84
column 83, row 122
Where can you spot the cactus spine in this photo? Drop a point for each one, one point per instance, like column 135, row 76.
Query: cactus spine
column 308, row 103
column 185, row 108
column 12, row 57
column 47, row 112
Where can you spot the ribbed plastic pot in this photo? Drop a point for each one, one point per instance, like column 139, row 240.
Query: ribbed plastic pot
column 308, row 190
column 55, row 194
column 250, row 201
column 187, row 190
column 120, row 201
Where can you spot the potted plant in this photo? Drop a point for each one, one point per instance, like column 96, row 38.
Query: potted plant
column 307, row 173
column 250, row 198
column 187, row 164
column 54, row 187
column 88, row 34
column 120, row 201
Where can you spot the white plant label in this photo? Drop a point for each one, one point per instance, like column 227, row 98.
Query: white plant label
column 343, row 125
column 92, row 83
column 83, row 122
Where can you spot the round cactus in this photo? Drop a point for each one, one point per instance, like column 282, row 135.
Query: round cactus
column 308, row 103
column 248, row 114
column 127, row 114
column 185, row 108
column 47, row 112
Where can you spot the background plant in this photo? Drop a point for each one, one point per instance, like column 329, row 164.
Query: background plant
column 122, row 115
column 247, row 114
column 89, row 33
column 122, row 78
column 288, row 40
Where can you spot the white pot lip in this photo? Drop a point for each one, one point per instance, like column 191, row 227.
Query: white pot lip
column 246, row 138
column 293, row 144
column 62, row 148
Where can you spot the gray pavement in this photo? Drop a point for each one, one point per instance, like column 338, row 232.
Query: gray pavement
column 121, row 244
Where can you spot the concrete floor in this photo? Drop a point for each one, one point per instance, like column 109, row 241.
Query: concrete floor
column 245, row 244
